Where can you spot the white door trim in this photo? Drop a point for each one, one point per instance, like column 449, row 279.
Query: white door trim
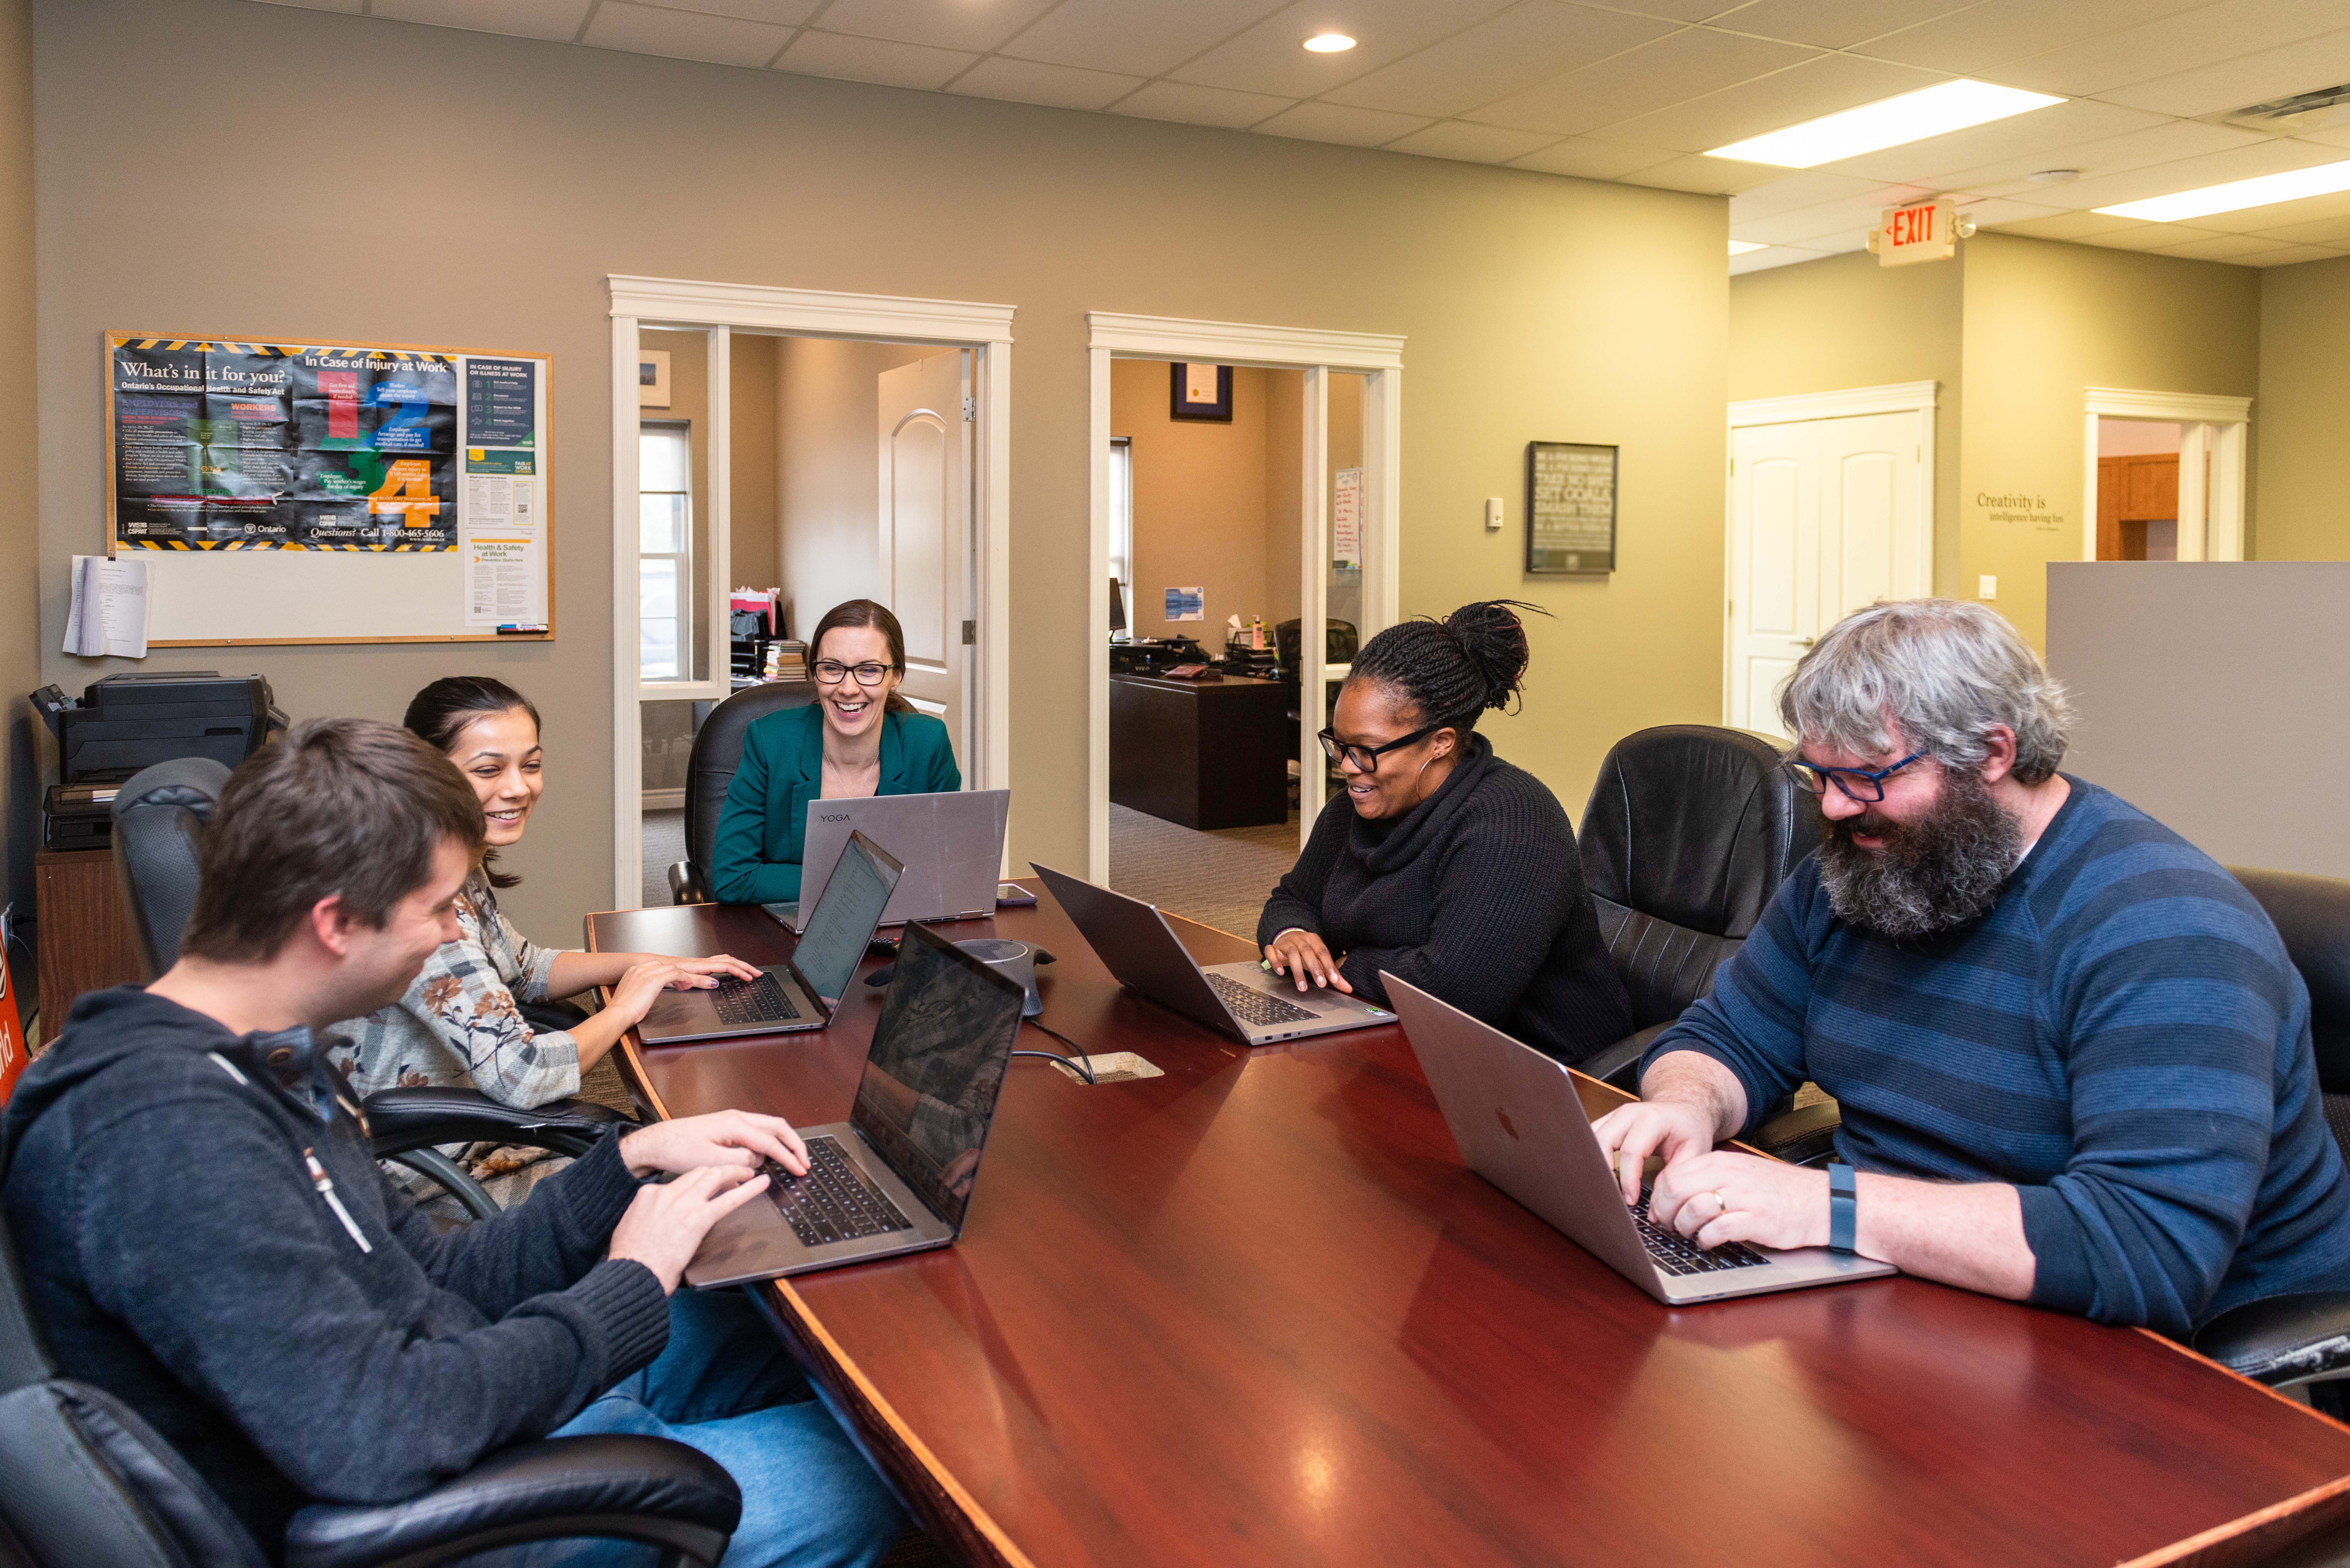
column 987, row 329
column 1893, row 397
column 1113, row 334
column 2213, row 436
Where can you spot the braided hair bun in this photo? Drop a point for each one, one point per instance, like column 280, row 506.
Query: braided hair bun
column 1453, row 669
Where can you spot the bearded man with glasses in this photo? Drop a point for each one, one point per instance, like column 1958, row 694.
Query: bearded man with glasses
column 2072, row 1055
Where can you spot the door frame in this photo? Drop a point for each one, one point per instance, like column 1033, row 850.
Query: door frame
column 1378, row 359
column 1921, row 397
column 2214, row 434
column 680, row 304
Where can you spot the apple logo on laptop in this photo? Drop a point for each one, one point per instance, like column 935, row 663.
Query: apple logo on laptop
column 1508, row 1126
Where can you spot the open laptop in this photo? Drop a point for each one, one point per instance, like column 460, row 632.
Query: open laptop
column 951, row 844
column 896, row 1177
column 1519, row 1123
column 1243, row 1000
column 803, row 992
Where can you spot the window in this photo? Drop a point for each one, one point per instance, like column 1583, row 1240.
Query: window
column 1121, row 519
column 664, row 553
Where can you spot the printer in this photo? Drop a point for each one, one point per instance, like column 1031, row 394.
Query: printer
column 126, row 722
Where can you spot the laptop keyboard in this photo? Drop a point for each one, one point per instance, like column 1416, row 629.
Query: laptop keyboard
column 834, row 1202
column 759, row 1000
column 1257, row 1006
column 1677, row 1254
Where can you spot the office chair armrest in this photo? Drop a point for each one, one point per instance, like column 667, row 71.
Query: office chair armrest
column 684, row 888
column 1802, row 1136
column 2299, row 1338
column 399, row 1120
column 626, row 1488
column 1618, row 1065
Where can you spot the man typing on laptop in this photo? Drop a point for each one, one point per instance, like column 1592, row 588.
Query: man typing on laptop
column 2072, row 1055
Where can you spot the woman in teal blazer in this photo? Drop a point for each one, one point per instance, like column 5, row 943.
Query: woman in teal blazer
column 858, row 738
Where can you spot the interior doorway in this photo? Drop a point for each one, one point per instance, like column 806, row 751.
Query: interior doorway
column 2138, row 490
column 1831, row 509
column 2203, row 485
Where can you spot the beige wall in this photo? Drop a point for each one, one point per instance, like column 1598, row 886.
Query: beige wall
column 2301, row 422
column 828, row 453
column 25, row 754
column 1533, row 305
column 753, row 514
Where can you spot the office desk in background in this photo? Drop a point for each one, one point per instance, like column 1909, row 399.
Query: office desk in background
column 1256, row 1311
column 1204, row 754
column 81, row 930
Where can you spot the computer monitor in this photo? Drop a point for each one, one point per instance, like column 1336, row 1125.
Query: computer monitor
column 1116, row 609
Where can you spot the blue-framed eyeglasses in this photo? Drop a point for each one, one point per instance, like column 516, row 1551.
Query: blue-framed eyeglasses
column 1863, row 785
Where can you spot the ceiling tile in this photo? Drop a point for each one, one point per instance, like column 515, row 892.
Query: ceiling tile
column 1681, row 10
column 1666, row 72
column 1776, row 256
column 2165, row 143
column 2261, row 77
column 1271, row 57
column 2082, row 227
column 1200, row 105
column 1337, row 122
column 1589, row 160
column 878, row 60
column 2219, row 247
column 1796, row 188
column 1827, row 218
column 2290, row 255
column 556, row 19
column 2165, row 45
column 1059, row 87
column 2150, row 237
column 1981, row 36
column 980, row 25
column 2334, row 136
column 1141, row 40
column 1832, row 24
column 2027, row 136
column 683, row 35
column 1466, row 143
column 2323, row 232
column 783, row 13
column 348, row 7
column 1820, row 85
column 1525, row 44
column 2188, row 174
column 1999, row 210
column 1703, row 176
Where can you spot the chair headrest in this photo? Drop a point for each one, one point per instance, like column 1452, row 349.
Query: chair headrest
column 2312, row 915
column 718, row 752
column 159, row 815
column 1695, row 826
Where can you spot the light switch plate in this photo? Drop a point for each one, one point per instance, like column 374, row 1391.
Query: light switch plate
column 1990, row 590
column 1494, row 513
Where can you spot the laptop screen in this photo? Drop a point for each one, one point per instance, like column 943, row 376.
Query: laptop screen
column 843, row 919
column 940, row 1049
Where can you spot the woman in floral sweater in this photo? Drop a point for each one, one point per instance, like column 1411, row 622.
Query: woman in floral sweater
column 466, row 1018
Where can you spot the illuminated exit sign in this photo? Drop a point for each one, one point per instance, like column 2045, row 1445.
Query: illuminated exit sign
column 1925, row 231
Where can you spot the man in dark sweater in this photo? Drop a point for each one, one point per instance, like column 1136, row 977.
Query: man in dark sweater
column 2072, row 1055
column 207, row 1237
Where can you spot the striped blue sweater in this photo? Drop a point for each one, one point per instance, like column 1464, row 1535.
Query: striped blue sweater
column 2122, row 1038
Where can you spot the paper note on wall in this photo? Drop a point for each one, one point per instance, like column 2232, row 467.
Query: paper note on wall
column 1187, row 603
column 1347, row 518
column 502, row 579
column 107, row 615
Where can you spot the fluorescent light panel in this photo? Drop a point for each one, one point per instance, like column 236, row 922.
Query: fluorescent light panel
column 1740, row 247
column 2266, row 191
column 1912, row 117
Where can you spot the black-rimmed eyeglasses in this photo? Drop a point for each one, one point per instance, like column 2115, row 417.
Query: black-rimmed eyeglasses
column 1863, row 785
column 832, row 672
column 1366, row 759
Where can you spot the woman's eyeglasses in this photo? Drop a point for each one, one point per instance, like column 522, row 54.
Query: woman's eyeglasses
column 832, row 672
column 1366, row 759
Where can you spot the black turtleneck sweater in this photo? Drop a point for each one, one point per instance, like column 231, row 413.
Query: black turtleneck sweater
column 1475, row 895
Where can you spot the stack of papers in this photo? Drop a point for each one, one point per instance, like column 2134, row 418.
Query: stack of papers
column 109, row 614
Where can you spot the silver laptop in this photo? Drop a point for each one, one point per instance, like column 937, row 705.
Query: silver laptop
column 951, row 844
column 1242, row 999
column 1521, row 1124
column 802, row 993
column 896, row 1177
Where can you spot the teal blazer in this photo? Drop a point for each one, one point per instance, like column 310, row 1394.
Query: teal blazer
column 763, row 830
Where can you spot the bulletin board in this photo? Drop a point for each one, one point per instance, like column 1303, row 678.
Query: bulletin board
column 300, row 493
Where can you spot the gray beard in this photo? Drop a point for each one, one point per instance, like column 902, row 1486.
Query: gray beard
column 1938, row 872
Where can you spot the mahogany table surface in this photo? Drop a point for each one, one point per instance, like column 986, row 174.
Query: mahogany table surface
column 1257, row 1311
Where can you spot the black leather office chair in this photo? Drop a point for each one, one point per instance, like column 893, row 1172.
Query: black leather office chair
column 2297, row 1341
column 84, row 1481
column 1340, row 642
column 717, row 753
column 158, row 824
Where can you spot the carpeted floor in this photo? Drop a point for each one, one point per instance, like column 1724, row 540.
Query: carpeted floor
column 1219, row 879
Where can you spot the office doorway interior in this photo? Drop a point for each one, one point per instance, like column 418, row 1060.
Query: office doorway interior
column 2165, row 476
column 763, row 475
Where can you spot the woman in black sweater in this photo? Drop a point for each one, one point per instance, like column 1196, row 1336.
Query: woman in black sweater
column 1441, row 863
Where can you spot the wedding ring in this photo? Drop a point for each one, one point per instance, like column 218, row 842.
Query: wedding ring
column 1722, row 1204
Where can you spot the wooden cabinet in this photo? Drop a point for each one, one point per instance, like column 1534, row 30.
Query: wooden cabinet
column 1206, row 754
column 84, row 941
column 2131, row 493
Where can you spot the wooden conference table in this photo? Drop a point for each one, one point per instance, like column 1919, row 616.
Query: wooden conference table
column 1256, row 1311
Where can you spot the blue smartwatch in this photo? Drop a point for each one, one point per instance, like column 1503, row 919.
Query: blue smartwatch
column 1843, row 1208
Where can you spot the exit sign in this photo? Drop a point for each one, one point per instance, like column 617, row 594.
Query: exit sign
column 1924, row 230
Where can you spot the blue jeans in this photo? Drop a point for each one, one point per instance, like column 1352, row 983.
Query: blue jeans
column 726, row 1387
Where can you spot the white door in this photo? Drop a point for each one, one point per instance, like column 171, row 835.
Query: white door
column 1826, row 516
column 925, row 543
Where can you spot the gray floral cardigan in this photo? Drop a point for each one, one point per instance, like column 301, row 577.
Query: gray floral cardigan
column 459, row 1026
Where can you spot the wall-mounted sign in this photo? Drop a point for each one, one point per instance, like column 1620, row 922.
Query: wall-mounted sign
column 1570, row 509
column 1923, row 231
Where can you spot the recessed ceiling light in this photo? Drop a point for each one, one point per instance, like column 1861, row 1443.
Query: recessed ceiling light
column 1912, row 117
column 2269, row 189
column 1329, row 43
column 1740, row 247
